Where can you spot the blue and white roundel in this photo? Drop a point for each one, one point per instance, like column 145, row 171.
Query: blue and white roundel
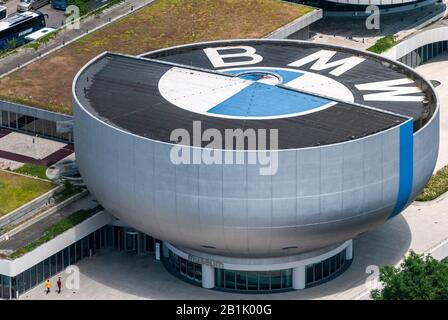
column 252, row 93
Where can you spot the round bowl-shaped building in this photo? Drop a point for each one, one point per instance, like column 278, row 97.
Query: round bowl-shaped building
column 254, row 156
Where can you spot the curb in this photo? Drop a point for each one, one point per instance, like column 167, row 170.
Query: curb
column 440, row 198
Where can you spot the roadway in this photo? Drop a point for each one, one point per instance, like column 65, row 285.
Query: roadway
column 56, row 18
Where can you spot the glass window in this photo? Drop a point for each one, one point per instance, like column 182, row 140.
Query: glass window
column 219, row 278
column 190, row 269
column 66, row 257
column 85, row 247
column 40, row 272
column 103, row 237
column 276, row 280
column 5, row 119
column 198, row 272
column 338, row 262
column 46, row 269
column 149, row 243
column 73, row 254
column 78, row 246
column 20, row 283
column 92, row 243
column 309, row 278
column 241, row 280
column 33, row 275
column 183, row 266
column 98, row 239
column 326, row 268
column 109, row 236
column 13, row 120
column 5, row 287
column 230, row 279
column 53, row 264
column 252, row 280
column 27, row 280
column 332, row 264
column 287, row 278
column 264, row 280
column 59, row 264
column 318, row 271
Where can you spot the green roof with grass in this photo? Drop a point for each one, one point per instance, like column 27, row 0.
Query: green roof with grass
column 47, row 83
column 16, row 190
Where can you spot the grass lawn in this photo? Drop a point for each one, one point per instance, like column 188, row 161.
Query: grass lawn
column 16, row 190
column 33, row 170
column 47, row 82
column 437, row 185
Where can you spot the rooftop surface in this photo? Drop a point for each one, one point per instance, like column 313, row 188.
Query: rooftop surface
column 161, row 24
column 155, row 95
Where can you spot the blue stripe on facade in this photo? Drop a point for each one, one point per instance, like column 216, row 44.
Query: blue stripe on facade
column 406, row 166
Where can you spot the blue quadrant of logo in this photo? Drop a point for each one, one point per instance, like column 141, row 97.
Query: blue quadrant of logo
column 262, row 100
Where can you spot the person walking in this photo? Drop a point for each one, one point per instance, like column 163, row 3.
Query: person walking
column 59, row 284
column 48, row 286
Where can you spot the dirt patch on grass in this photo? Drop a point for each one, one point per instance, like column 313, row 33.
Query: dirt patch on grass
column 47, row 82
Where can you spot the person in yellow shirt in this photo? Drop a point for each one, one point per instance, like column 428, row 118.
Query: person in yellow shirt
column 48, row 286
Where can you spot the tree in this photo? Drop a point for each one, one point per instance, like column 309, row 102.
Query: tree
column 417, row 278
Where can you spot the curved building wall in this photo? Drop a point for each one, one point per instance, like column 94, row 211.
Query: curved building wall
column 319, row 197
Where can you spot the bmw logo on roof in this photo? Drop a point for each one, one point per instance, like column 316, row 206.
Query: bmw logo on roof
column 251, row 93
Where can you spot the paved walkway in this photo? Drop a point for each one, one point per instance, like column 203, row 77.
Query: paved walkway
column 25, row 55
column 19, row 148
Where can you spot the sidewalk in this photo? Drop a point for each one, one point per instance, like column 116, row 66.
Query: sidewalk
column 27, row 55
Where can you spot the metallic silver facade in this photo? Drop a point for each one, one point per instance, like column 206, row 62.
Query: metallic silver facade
column 319, row 197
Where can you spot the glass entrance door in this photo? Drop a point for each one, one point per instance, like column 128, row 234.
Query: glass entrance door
column 131, row 238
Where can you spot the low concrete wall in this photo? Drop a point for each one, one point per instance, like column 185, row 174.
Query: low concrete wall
column 296, row 25
column 13, row 267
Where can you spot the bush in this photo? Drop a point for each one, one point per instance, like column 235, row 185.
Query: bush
column 383, row 44
column 417, row 278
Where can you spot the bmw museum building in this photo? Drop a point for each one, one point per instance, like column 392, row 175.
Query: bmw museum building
column 344, row 141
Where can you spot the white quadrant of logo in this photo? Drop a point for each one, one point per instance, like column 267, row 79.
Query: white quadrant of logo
column 251, row 92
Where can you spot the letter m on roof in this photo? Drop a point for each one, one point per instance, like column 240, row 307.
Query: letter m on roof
column 321, row 62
